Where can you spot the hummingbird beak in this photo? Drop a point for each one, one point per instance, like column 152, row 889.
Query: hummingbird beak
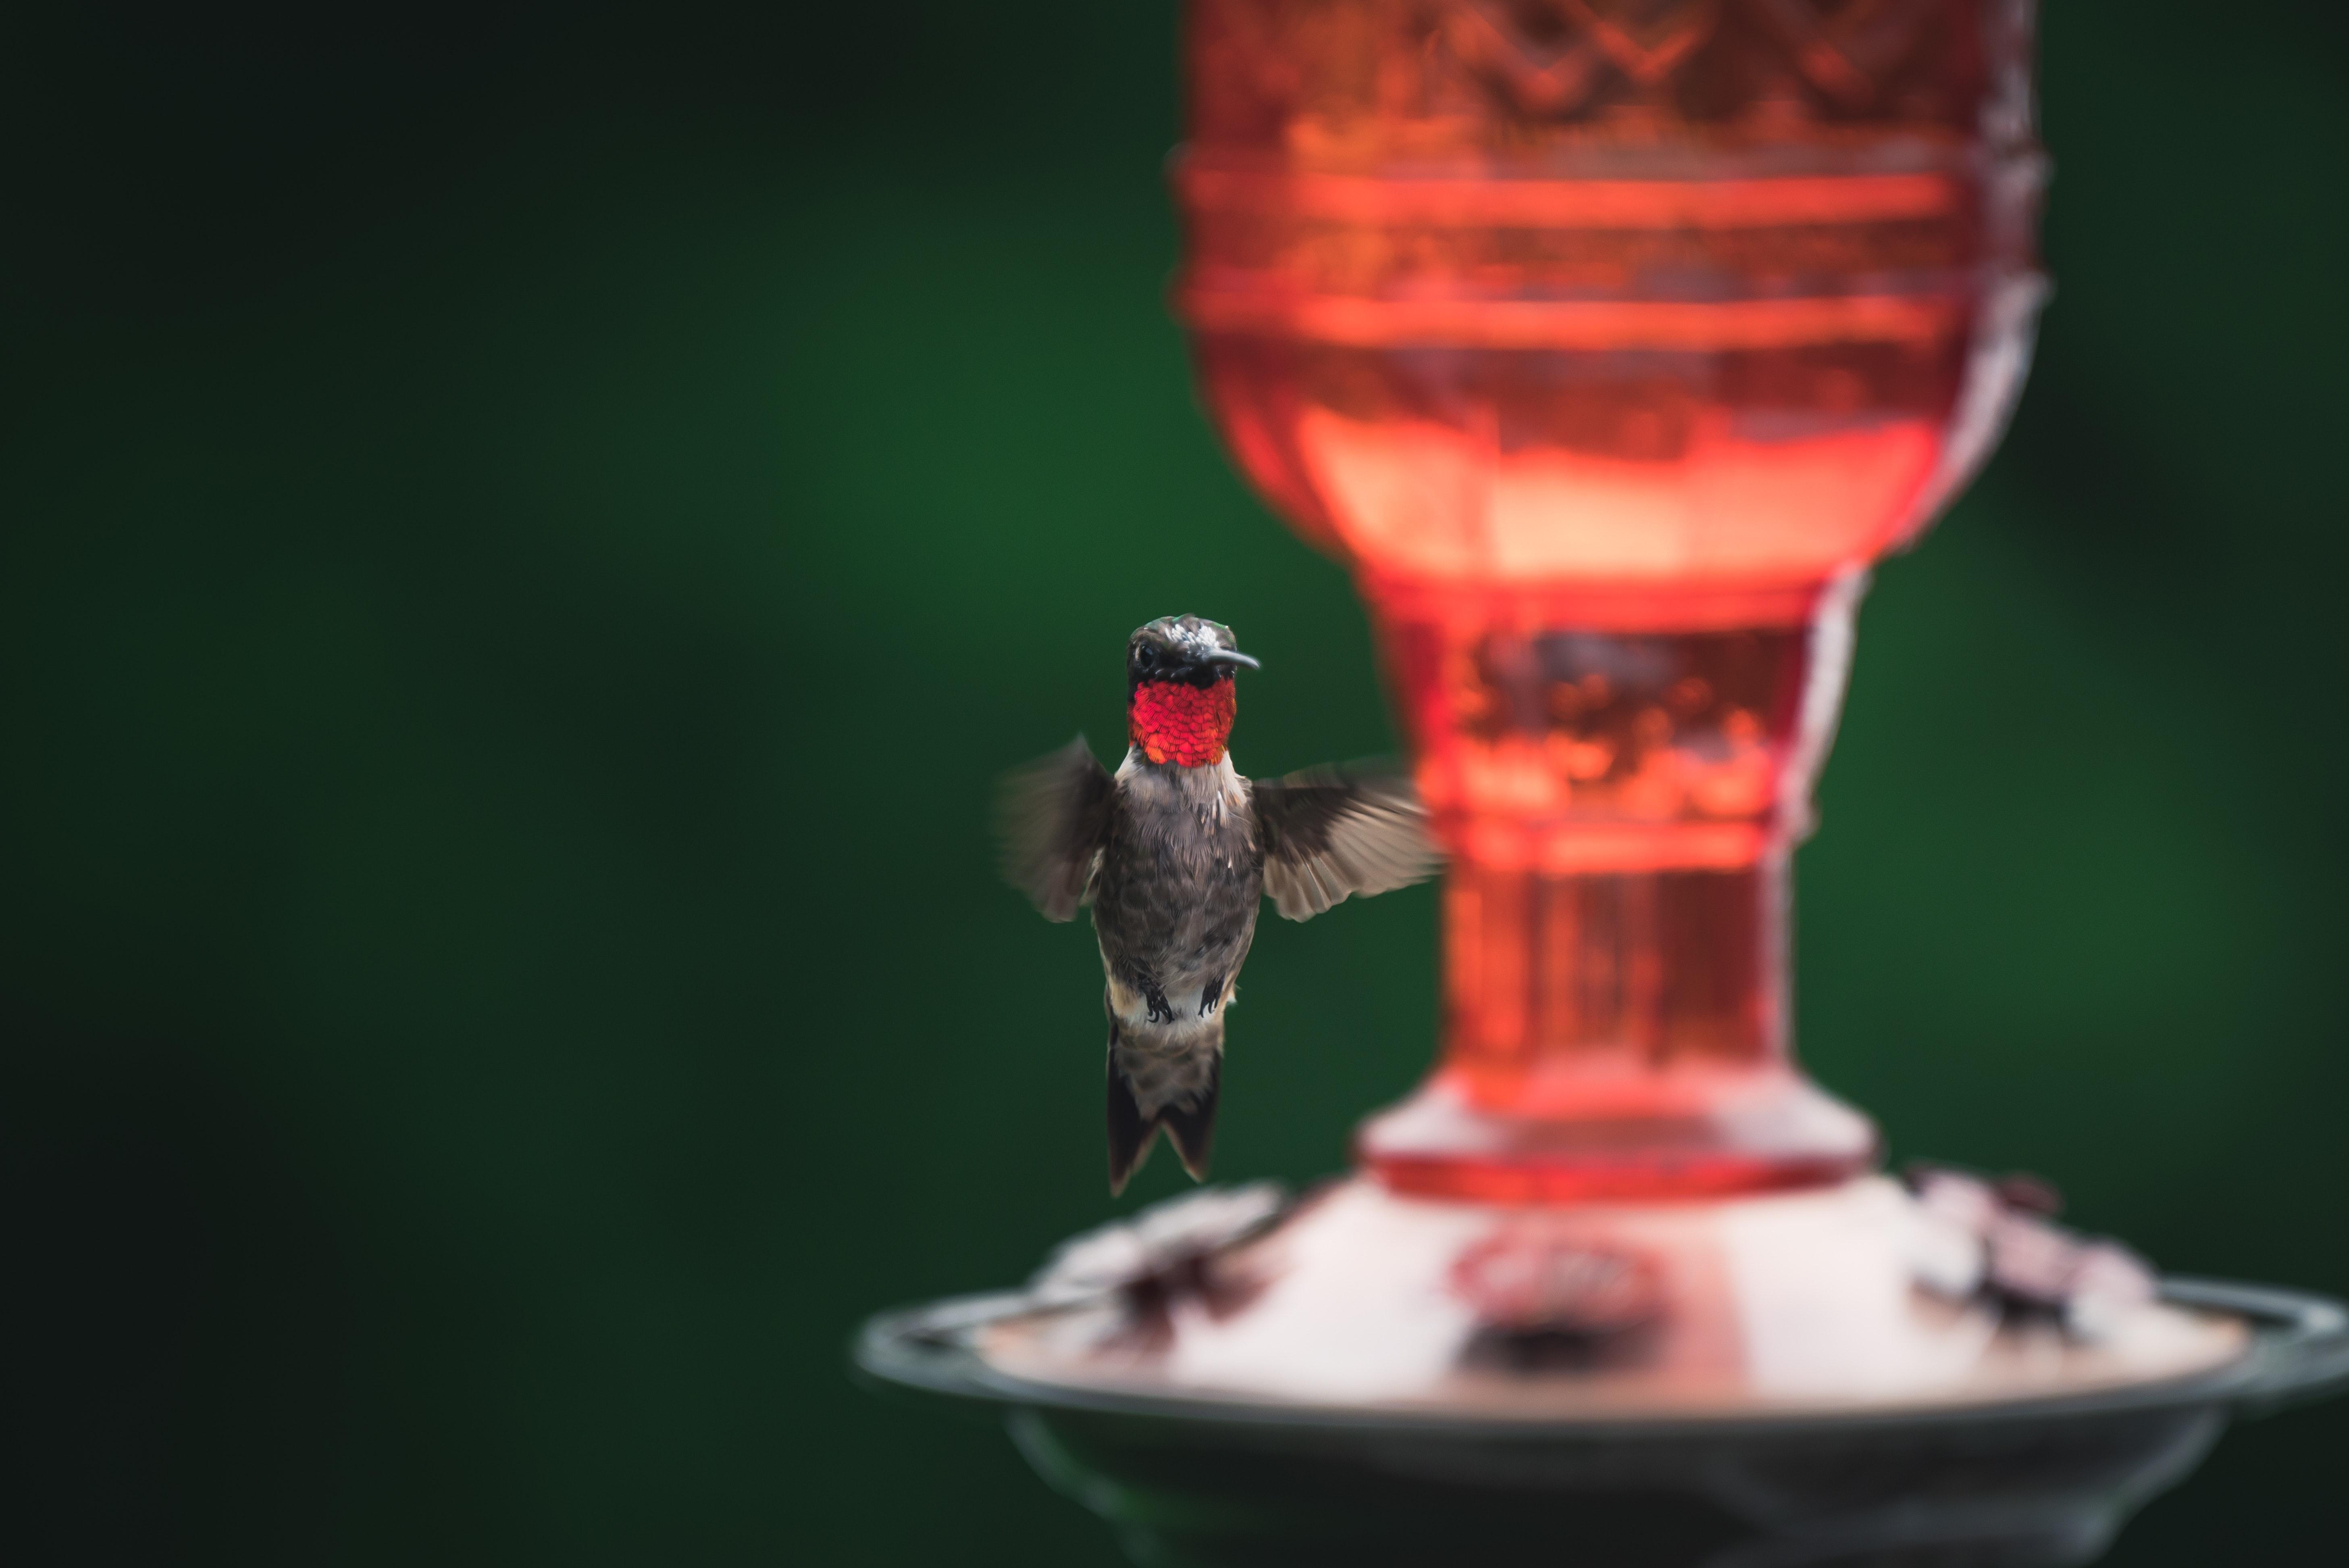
column 1230, row 657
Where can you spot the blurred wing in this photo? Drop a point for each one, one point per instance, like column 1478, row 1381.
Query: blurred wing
column 1328, row 834
column 1050, row 818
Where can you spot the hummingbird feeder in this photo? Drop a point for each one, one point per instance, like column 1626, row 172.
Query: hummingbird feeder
column 1609, row 343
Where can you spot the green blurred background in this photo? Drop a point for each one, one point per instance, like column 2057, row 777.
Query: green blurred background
column 502, row 963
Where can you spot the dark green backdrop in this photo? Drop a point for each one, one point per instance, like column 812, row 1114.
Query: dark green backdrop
column 525, row 538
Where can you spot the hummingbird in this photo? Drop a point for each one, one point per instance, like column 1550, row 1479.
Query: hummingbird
column 1175, row 854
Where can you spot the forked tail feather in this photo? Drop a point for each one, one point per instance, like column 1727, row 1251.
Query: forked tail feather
column 1170, row 1084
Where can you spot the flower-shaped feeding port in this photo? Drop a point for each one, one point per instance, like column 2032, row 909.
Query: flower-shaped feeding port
column 1129, row 1278
column 1547, row 1299
column 2004, row 1249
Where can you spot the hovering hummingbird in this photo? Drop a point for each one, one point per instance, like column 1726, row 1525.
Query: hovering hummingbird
column 1173, row 854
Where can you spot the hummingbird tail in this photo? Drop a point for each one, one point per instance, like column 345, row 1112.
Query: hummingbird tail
column 1191, row 1129
column 1157, row 1079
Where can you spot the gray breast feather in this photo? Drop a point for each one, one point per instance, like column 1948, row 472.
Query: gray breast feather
column 1176, row 893
column 1330, row 833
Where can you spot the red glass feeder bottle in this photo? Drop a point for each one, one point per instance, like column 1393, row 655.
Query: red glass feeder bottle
column 1608, row 345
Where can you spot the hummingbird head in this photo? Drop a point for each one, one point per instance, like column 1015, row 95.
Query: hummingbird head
column 1180, row 700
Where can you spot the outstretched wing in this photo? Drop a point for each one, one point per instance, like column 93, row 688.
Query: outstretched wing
column 1330, row 833
column 1051, row 817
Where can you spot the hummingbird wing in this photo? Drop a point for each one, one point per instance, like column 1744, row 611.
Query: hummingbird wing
column 1330, row 833
column 1051, row 818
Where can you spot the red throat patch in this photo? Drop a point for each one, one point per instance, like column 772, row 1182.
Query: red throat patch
column 1174, row 721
